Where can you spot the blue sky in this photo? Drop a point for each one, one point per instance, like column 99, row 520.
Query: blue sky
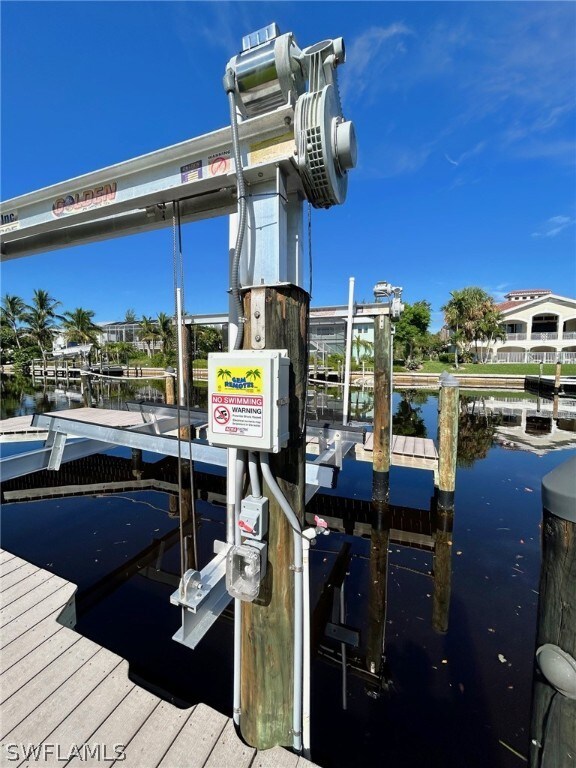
column 465, row 116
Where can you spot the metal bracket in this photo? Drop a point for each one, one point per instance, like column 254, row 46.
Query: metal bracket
column 202, row 596
column 57, row 442
column 258, row 318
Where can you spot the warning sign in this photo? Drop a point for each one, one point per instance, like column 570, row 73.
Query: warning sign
column 238, row 415
column 271, row 149
column 219, row 163
column 191, row 172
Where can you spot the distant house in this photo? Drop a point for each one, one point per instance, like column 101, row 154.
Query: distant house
column 112, row 333
column 540, row 326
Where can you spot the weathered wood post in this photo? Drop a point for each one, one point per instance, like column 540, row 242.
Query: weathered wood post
column 382, row 415
column 553, row 722
column 377, row 594
column 86, row 386
column 169, row 383
column 137, row 463
column 442, row 569
column 449, row 403
column 557, row 379
column 267, row 677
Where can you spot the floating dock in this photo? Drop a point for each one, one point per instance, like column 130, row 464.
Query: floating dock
column 64, row 695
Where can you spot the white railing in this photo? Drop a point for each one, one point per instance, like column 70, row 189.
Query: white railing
column 516, row 337
column 569, row 335
column 510, row 357
column 543, row 336
column 534, row 357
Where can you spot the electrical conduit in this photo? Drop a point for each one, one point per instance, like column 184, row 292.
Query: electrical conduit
column 298, row 598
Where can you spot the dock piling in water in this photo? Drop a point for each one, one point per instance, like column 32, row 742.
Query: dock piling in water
column 448, row 405
column 382, row 415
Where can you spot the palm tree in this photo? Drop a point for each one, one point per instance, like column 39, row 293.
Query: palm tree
column 79, row 327
column 40, row 329
column 45, row 304
column 148, row 333
column 40, row 319
column 472, row 316
column 166, row 332
column 12, row 313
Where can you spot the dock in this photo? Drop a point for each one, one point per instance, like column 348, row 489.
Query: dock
column 415, row 452
column 66, row 696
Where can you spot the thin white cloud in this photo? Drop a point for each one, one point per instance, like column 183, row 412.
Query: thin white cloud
column 554, row 225
column 476, row 150
column 368, row 56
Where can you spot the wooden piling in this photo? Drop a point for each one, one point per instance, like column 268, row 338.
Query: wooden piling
column 449, row 404
column 170, row 388
column 557, row 379
column 382, row 415
column 267, row 676
column 442, row 570
column 377, row 593
column 553, row 721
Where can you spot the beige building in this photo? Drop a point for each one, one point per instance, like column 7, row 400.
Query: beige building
column 540, row 327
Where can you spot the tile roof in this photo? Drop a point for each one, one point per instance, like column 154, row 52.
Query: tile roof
column 510, row 305
column 528, row 291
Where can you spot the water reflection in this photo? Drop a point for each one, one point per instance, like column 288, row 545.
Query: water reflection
column 412, row 609
column 408, row 419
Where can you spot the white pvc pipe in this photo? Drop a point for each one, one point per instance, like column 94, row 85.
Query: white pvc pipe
column 298, row 599
column 238, row 475
column 307, row 536
column 254, row 476
column 181, row 395
column 349, row 323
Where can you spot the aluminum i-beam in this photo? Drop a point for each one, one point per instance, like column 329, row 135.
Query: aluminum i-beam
column 136, row 195
column 100, row 438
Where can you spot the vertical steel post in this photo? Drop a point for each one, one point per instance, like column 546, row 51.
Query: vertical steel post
column 349, row 329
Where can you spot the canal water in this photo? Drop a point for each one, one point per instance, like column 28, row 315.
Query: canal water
column 453, row 693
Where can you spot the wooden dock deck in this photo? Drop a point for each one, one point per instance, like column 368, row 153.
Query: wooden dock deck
column 415, row 452
column 72, row 701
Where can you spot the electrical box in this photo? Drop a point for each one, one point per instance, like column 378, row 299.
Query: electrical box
column 248, row 399
column 245, row 569
column 253, row 518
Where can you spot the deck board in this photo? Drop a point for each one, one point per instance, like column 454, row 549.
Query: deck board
column 50, row 606
column 27, row 585
column 155, row 737
column 27, row 642
column 42, row 720
column 275, row 758
column 5, row 557
column 62, row 692
column 80, row 725
column 17, row 575
column 34, row 662
column 197, row 739
column 16, row 608
column 121, row 725
column 230, row 751
column 31, row 695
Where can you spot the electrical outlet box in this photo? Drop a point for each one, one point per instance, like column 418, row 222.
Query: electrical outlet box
column 248, row 399
column 253, row 518
column 245, row 569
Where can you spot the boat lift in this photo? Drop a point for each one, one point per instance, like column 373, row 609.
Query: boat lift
column 288, row 142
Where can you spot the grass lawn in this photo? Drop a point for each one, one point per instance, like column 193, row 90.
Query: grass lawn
column 523, row 369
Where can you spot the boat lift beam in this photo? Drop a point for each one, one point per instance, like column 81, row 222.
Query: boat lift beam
column 320, row 473
column 137, row 195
